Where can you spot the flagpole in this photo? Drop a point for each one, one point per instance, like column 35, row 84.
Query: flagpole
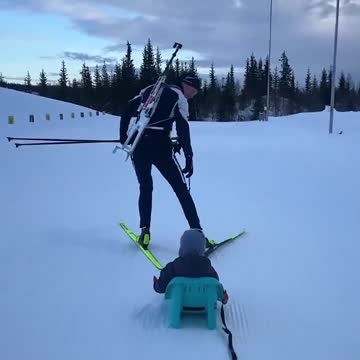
column 334, row 69
column 269, row 67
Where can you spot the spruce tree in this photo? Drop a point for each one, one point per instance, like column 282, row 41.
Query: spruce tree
column 329, row 86
column 98, row 86
column 314, row 86
column 292, row 94
column 192, row 68
column 27, row 81
column 204, row 100
column 128, row 84
column 105, row 87
column 158, row 62
column 116, row 80
column 352, row 97
column 171, row 75
column 185, row 69
column 262, row 72
column 285, row 77
column 213, row 79
column 265, row 75
column 315, row 101
column 2, row 80
column 148, row 67
column 86, row 86
column 178, row 71
column 308, row 83
column 275, row 86
column 245, row 89
column 43, row 83
column 232, row 92
column 115, row 90
column 213, row 91
column 227, row 103
column 63, row 81
column 75, row 91
column 343, row 93
column 222, row 112
column 349, row 84
column 253, row 82
column 342, row 86
column 323, row 87
column 105, row 80
column 292, row 85
column 261, row 79
column 97, row 79
column 75, row 84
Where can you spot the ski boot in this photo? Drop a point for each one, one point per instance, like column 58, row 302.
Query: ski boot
column 210, row 243
column 144, row 238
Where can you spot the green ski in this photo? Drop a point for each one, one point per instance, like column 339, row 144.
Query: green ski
column 147, row 252
column 156, row 262
column 219, row 244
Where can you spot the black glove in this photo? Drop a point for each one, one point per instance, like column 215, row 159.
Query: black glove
column 176, row 146
column 188, row 170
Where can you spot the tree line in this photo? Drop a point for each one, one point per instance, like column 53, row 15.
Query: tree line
column 109, row 87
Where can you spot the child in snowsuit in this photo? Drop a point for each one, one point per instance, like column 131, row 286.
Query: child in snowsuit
column 191, row 262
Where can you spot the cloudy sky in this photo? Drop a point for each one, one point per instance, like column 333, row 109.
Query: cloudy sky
column 36, row 34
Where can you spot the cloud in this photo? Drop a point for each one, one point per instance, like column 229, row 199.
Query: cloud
column 224, row 32
column 16, row 78
column 326, row 8
column 121, row 47
column 86, row 57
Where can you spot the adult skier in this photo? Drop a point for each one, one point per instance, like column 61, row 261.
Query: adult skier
column 156, row 148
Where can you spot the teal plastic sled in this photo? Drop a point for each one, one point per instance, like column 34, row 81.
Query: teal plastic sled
column 194, row 296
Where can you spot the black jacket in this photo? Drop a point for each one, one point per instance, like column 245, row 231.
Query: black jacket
column 172, row 107
column 187, row 266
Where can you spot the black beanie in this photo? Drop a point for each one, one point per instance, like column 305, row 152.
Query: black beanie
column 192, row 81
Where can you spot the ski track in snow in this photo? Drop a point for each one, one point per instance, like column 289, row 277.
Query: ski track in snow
column 237, row 321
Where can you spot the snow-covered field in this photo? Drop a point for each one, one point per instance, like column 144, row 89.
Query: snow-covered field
column 72, row 286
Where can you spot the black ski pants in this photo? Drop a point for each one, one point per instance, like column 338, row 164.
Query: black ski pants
column 155, row 148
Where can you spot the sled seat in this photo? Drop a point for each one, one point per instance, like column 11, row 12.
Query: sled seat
column 194, row 296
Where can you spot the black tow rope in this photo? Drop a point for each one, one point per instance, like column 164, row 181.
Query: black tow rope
column 229, row 334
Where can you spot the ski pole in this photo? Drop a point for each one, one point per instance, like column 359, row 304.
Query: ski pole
column 52, row 139
column 66, row 142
